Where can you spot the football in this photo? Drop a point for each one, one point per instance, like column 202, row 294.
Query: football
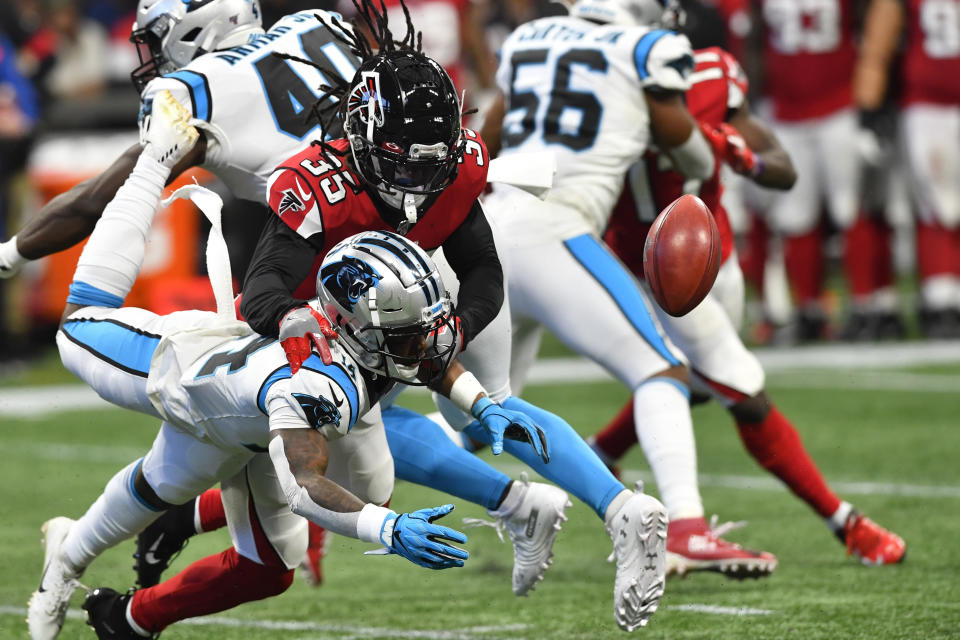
column 681, row 256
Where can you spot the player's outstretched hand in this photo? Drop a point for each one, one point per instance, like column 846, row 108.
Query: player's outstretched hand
column 302, row 329
column 502, row 423
column 417, row 539
column 166, row 132
column 731, row 147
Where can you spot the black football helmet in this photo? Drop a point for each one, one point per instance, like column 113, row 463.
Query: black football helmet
column 402, row 119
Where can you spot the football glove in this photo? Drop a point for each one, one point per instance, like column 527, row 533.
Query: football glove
column 416, row 538
column 502, row 423
column 166, row 132
column 732, row 149
column 302, row 329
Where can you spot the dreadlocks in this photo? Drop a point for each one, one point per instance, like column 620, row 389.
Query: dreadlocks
column 327, row 107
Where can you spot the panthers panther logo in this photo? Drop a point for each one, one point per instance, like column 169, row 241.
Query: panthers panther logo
column 347, row 279
column 319, row 410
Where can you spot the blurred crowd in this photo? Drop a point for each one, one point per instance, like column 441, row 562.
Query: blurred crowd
column 834, row 259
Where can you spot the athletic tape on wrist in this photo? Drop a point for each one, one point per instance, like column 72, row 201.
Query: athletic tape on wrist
column 370, row 523
column 465, row 390
column 9, row 255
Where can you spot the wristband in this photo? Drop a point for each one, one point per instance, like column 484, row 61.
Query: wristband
column 464, row 391
column 373, row 521
column 10, row 257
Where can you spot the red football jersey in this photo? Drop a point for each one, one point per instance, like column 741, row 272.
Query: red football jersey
column 931, row 57
column 318, row 196
column 809, row 56
column 718, row 86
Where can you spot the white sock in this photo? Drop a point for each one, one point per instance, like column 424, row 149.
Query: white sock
column 515, row 495
column 838, row 520
column 115, row 516
column 615, row 505
column 114, row 253
column 661, row 412
column 939, row 292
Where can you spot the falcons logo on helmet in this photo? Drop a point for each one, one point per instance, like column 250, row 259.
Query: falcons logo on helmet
column 290, row 202
column 366, row 99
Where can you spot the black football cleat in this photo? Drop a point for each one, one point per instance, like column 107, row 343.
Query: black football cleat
column 161, row 542
column 107, row 614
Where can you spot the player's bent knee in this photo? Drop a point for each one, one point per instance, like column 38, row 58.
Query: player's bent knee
column 752, row 410
column 678, row 372
column 263, row 580
column 147, row 493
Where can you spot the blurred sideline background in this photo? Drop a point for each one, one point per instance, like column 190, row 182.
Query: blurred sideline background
column 68, row 109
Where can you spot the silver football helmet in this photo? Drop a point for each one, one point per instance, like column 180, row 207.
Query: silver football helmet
column 649, row 13
column 170, row 33
column 384, row 296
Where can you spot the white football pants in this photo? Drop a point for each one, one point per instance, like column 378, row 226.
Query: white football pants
column 181, row 465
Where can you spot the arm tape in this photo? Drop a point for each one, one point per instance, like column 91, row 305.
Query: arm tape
column 365, row 524
column 694, row 158
column 464, row 391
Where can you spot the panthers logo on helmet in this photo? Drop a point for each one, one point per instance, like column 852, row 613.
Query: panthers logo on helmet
column 347, row 279
column 318, row 410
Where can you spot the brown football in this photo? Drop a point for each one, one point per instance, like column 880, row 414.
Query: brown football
column 681, row 257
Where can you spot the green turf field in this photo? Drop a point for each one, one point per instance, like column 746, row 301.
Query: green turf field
column 889, row 441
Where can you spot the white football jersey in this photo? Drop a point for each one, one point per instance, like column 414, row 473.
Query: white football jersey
column 234, row 389
column 256, row 104
column 575, row 88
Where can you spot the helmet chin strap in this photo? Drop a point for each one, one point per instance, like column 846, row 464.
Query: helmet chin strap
column 410, row 207
column 405, row 202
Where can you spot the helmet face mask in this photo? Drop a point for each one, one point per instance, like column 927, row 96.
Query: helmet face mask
column 385, row 297
column 169, row 34
column 402, row 118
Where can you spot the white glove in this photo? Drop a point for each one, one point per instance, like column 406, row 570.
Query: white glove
column 166, row 133
column 10, row 258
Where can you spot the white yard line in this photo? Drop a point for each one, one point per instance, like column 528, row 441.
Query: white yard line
column 335, row 630
column 119, row 455
column 851, row 366
column 725, row 611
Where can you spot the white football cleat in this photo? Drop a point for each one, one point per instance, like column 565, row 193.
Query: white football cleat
column 47, row 608
column 639, row 533
column 533, row 526
column 167, row 133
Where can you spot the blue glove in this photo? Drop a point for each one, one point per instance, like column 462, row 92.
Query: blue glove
column 502, row 423
column 417, row 539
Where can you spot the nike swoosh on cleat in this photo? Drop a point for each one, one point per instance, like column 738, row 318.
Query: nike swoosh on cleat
column 42, row 576
column 148, row 557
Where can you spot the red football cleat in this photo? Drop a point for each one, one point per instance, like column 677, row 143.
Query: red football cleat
column 692, row 545
column 870, row 542
column 312, row 565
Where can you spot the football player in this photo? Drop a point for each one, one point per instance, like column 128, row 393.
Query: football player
column 597, row 88
column 250, row 106
column 720, row 364
column 234, row 412
column 809, row 45
column 929, row 129
column 406, row 164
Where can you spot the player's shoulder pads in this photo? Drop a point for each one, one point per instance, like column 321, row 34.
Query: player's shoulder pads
column 664, row 60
